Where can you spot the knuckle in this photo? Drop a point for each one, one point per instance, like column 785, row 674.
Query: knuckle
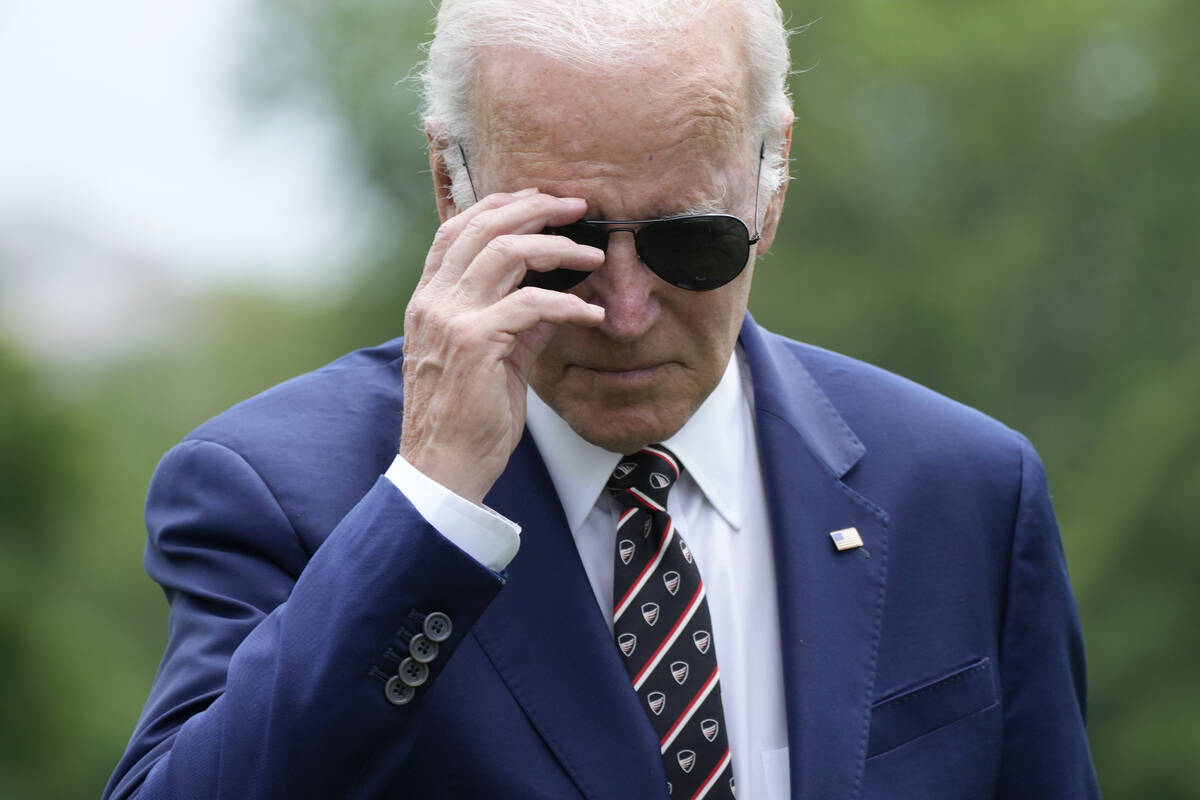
column 414, row 314
column 503, row 247
column 477, row 227
column 528, row 296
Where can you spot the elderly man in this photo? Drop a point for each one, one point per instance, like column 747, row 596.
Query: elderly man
column 633, row 545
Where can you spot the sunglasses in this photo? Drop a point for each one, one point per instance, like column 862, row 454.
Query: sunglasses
column 697, row 252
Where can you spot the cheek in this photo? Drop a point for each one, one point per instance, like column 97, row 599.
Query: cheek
column 713, row 325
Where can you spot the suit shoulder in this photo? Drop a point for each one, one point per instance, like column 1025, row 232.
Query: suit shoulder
column 892, row 413
column 326, row 398
column 321, row 439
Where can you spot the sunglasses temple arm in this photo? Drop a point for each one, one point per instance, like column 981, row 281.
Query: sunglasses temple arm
column 475, row 196
column 762, row 156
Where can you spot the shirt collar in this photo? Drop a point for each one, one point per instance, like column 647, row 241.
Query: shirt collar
column 710, row 445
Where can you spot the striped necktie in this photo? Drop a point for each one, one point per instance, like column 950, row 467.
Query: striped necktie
column 664, row 631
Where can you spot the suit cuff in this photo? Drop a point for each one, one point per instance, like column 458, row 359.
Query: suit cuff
column 486, row 536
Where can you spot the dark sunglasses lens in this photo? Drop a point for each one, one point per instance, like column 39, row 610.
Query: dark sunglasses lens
column 582, row 233
column 560, row 280
column 697, row 253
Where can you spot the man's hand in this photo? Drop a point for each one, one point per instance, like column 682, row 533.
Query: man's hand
column 471, row 337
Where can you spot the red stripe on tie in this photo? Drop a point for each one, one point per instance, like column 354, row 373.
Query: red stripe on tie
column 672, row 635
column 644, row 575
column 712, row 776
column 670, row 461
column 700, row 697
column 625, row 517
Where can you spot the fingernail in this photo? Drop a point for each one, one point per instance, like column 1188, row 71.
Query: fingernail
column 526, row 192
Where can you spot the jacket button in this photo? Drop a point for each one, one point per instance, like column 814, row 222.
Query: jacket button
column 412, row 672
column 438, row 626
column 397, row 693
column 422, row 648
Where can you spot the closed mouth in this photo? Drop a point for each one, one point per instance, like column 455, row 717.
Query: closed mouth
column 622, row 369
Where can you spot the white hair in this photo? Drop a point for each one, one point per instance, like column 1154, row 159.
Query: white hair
column 586, row 34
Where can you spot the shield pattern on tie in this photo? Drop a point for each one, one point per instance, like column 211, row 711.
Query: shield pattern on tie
column 671, row 581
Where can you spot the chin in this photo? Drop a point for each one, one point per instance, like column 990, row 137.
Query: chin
column 624, row 430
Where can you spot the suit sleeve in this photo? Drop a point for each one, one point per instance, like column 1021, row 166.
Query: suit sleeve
column 272, row 684
column 1046, row 753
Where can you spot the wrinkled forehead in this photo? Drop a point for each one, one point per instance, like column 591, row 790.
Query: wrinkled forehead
column 685, row 100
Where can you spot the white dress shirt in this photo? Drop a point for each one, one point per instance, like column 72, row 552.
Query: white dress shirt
column 719, row 506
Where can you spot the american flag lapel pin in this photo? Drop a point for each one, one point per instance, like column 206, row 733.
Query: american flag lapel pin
column 846, row 539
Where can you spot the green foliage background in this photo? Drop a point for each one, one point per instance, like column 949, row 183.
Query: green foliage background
column 995, row 199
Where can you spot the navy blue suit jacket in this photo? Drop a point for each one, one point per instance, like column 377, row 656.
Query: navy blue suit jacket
column 941, row 660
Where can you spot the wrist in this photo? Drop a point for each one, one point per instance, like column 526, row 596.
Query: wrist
column 462, row 475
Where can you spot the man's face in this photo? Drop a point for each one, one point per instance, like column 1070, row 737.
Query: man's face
column 666, row 136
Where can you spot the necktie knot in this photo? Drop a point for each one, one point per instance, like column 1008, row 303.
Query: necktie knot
column 643, row 479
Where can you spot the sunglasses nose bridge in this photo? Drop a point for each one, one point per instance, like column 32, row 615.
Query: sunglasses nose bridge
column 633, row 243
column 610, row 230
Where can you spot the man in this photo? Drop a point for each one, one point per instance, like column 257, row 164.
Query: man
column 855, row 588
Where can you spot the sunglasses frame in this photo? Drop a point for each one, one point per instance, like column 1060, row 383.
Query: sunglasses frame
column 617, row 225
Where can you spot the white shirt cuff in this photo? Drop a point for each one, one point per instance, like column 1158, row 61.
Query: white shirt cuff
column 486, row 536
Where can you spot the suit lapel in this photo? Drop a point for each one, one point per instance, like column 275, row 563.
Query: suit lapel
column 546, row 637
column 831, row 602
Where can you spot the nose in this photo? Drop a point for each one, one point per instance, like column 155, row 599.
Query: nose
column 624, row 287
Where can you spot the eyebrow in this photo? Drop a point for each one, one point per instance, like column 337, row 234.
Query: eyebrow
column 705, row 207
column 718, row 205
column 708, row 207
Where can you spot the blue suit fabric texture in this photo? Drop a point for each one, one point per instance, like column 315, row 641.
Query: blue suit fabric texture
column 943, row 659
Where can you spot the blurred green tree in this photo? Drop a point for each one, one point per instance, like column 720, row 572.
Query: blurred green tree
column 37, row 442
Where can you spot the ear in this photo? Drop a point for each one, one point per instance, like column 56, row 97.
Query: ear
column 770, row 222
column 437, row 144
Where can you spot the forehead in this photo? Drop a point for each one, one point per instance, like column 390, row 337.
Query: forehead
column 677, row 113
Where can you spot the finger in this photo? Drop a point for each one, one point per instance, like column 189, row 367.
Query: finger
column 503, row 262
column 529, row 214
column 528, row 307
column 450, row 230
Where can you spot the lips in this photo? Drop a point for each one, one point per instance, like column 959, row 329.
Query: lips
column 618, row 368
column 625, row 383
column 624, row 369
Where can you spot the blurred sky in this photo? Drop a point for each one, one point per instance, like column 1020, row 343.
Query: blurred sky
column 121, row 127
column 130, row 174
